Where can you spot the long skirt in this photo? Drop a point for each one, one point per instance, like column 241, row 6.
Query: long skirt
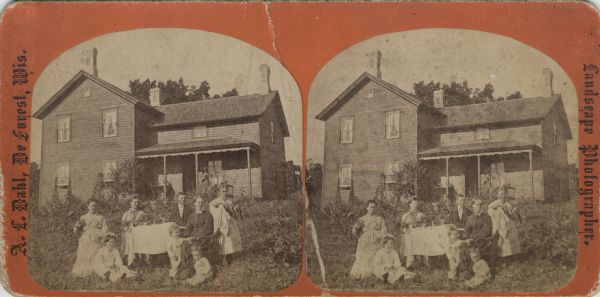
column 89, row 244
column 368, row 244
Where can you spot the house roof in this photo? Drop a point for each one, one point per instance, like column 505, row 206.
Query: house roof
column 508, row 111
column 478, row 148
column 74, row 82
column 196, row 146
column 344, row 96
column 220, row 110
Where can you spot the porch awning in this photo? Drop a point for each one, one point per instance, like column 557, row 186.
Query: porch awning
column 196, row 147
column 475, row 149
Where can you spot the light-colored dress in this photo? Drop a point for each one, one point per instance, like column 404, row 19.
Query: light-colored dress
column 388, row 261
column 453, row 255
column 203, row 272
column 481, row 272
column 109, row 260
column 94, row 230
column 373, row 230
column 174, row 252
column 130, row 219
column 508, row 241
column 230, row 240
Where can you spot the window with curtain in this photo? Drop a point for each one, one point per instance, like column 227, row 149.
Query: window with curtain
column 392, row 124
column 109, row 123
column 64, row 128
column 347, row 125
column 345, row 175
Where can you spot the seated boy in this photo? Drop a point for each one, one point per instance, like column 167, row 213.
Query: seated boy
column 386, row 264
column 202, row 268
column 481, row 269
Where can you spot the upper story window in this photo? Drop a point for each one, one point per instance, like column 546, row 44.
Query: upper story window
column 62, row 175
column 272, row 132
column 109, row 123
column 200, row 131
column 346, row 130
column 86, row 92
column 108, row 167
column 482, row 133
column 64, row 128
column 392, row 124
column 370, row 94
column 391, row 169
column 554, row 134
column 345, row 175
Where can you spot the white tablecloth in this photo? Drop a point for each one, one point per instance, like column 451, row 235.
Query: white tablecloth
column 425, row 241
column 148, row 239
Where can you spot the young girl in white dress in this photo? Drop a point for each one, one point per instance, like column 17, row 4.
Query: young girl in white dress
column 107, row 261
column 386, row 264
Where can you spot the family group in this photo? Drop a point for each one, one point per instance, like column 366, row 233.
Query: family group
column 206, row 230
column 474, row 240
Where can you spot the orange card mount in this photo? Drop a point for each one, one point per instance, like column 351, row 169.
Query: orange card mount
column 275, row 149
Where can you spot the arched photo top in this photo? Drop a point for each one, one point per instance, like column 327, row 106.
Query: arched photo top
column 444, row 56
column 225, row 63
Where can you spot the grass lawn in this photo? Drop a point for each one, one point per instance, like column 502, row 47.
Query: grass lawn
column 268, row 228
column 548, row 237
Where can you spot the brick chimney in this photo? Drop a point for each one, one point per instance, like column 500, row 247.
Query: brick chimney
column 375, row 63
column 438, row 98
column 548, row 77
column 89, row 61
column 265, row 75
column 155, row 96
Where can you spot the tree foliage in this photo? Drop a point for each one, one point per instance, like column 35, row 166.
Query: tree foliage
column 457, row 93
column 175, row 91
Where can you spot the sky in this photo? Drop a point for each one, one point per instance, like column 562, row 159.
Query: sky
column 443, row 55
column 164, row 54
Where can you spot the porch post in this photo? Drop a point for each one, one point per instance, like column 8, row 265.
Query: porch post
column 447, row 178
column 165, row 176
column 249, row 172
column 479, row 175
column 196, row 183
column 531, row 172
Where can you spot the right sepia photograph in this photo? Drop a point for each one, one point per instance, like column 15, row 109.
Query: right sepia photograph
column 442, row 160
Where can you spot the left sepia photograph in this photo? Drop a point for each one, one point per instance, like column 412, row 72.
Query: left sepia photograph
column 165, row 160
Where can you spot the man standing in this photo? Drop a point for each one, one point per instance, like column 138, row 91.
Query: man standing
column 180, row 211
column 478, row 231
column 459, row 213
column 200, row 225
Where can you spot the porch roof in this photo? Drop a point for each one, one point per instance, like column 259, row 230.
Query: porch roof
column 473, row 149
column 198, row 146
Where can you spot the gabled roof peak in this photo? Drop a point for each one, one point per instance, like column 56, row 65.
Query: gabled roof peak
column 343, row 97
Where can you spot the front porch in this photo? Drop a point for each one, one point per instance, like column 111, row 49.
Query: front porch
column 476, row 170
column 190, row 166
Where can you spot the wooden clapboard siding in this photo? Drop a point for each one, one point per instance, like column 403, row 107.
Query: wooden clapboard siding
column 526, row 134
column 144, row 137
column 238, row 178
column 272, row 153
column 244, row 131
column 87, row 149
column 369, row 151
column 554, row 155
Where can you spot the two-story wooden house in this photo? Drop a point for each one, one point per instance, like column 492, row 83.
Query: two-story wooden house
column 90, row 125
column 373, row 127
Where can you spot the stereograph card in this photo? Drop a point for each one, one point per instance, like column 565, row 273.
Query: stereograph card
column 300, row 148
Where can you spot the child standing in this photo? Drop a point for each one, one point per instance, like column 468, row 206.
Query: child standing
column 176, row 252
column 201, row 266
column 107, row 262
column 386, row 263
column 481, row 269
column 453, row 253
